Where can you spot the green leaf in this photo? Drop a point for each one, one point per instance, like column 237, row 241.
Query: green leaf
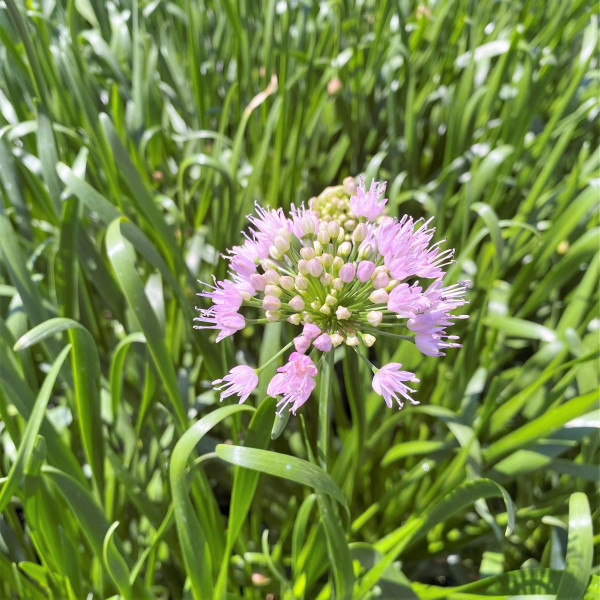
column 32, row 428
column 192, row 538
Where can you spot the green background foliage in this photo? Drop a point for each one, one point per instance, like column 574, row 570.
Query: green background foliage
column 134, row 138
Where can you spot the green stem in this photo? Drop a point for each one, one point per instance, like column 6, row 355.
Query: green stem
column 325, row 397
column 284, row 349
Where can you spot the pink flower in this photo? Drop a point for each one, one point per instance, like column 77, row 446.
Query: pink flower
column 388, row 382
column 368, row 204
column 407, row 300
column 226, row 322
column 365, row 270
column 310, row 331
column 267, row 225
column 294, row 382
column 323, row 343
column 240, row 381
column 222, row 315
column 304, row 221
column 301, row 343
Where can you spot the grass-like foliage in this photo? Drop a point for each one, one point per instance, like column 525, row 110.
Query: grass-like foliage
column 134, row 138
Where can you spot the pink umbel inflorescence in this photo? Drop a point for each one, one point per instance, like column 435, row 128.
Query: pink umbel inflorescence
column 344, row 273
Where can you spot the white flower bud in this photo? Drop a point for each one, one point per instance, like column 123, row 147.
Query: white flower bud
column 303, row 266
column 273, row 290
column 374, row 317
column 379, row 297
column 307, row 225
column 281, row 244
column 307, row 252
column 352, row 340
column 325, row 309
column 368, row 339
column 274, row 253
column 380, row 280
column 337, row 284
column 318, row 248
column 286, row 282
column 344, row 249
column 315, row 305
column 272, row 316
column 271, row 303
column 296, row 303
column 360, row 233
column 326, row 279
column 300, row 283
column 342, row 313
column 338, row 263
column 271, row 276
column 326, row 259
column 294, row 319
column 336, row 339
column 267, row 263
column 323, row 236
column 331, row 300
column 334, row 229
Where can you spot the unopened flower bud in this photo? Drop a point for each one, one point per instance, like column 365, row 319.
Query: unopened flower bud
column 323, row 343
column 286, row 282
column 282, row 244
column 380, row 280
column 323, row 236
column 349, row 186
column 272, row 276
column 331, row 300
column 344, row 249
column 315, row 305
column 307, row 252
column 374, row 317
column 267, row 263
column 326, row 259
column 379, row 297
column 336, row 339
column 271, row 303
column 352, row 340
column 296, row 303
column 326, row 279
column 307, row 225
column 274, row 253
column 318, row 248
column 347, row 272
column 360, row 233
column 301, row 344
column 325, row 309
column 365, row 270
column 350, row 224
column 337, row 284
column 303, row 266
column 273, row 290
column 342, row 313
column 366, row 250
column 273, row 316
column 368, row 339
column 334, row 229
column 301, row 283
column 294, row 319
column 258, row 282
column 315, row 268
column 338, row 263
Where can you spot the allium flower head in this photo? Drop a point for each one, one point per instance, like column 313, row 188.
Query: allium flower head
column 343, row 274
column 240, row 381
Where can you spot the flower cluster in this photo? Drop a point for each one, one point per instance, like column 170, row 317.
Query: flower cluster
column 344, row 273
